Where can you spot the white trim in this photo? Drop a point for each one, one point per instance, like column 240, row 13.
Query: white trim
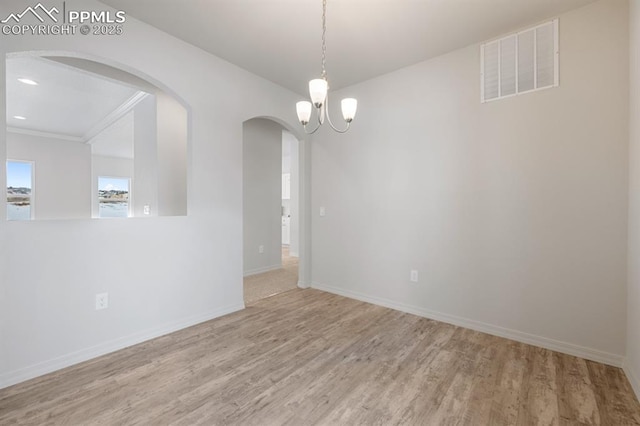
column 303, row 284
column 531, row 339
column 51, row 135
column 517, row 65
column 632, row 377
column 482, row 46
column 535, row 58
column 556, row 64
column 114, row 116
column 17, row 376
column 500, row 66
column 32, row 194
column 262, row 270
column 129, row 180
column 520, row 93
column 34, row 190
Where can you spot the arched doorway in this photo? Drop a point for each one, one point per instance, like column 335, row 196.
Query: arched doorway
column 274, row 215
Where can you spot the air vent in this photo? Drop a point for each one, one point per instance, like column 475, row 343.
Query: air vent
column 520, row 63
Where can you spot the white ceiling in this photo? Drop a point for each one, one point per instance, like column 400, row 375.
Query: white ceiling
column 67, row 101
column 280, row 39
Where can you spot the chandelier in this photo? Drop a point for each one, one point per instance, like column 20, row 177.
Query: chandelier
column 318, row 90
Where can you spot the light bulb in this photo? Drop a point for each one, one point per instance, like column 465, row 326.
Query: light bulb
column 318, row 91
column 349, row 107
column 303, row 108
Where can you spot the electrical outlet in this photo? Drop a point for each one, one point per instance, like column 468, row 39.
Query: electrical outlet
column 147, row 209
column 323, row 212
column 102, row 301
column 260, row 249
column 414, row 276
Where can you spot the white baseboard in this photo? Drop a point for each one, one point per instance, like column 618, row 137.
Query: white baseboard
column 302, row 284
column 262, row 270
column 633, row 377
column 14, row 377
column 531, row 339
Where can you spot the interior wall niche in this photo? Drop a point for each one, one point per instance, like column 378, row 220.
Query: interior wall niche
column 99, row 142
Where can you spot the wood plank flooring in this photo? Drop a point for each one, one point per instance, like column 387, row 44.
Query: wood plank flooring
column 305, row 357
column 267, row 284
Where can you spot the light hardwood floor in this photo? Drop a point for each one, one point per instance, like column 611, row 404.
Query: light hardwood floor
column 267, row 284
column 307, row 357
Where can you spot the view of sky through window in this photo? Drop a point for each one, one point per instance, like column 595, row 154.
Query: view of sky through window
column 113, row 196
column 19, row 188
column 18, row 174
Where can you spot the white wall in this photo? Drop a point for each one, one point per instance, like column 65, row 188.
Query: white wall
column 145, row 156
column 294, row 202
column 173, row 271
column 513, row 212
column 151, row 142
column 172, row 156
column 262, row 195
column 632, row 367
column 117, row 139
column 62, row 183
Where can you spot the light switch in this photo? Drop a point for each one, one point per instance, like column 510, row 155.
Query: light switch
column 322, row 212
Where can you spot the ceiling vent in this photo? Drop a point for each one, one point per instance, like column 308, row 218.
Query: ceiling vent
column 520, row 63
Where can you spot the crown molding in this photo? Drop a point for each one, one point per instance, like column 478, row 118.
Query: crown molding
column 114, row 116
column 50, row 135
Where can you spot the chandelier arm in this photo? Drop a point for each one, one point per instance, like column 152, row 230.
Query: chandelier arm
column 326, row 106
column 338, row 130
column 312, row 131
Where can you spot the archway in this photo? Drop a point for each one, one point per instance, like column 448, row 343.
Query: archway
column 114, row 138
column 275, row 214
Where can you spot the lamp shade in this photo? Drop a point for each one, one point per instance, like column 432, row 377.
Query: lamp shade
column 349, row 107
column 303, row 108
column 318, row 91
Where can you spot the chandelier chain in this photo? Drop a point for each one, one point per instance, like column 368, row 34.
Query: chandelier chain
column 318, row 89
column 324, row 39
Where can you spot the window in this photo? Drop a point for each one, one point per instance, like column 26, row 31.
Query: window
column 520, row 63
column 20, row 190
column 113, row 196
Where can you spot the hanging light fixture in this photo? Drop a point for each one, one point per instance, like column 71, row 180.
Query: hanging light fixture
column 318, row 90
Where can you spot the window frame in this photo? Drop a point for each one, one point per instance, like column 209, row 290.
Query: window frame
column 32, row 196
column 129, row 200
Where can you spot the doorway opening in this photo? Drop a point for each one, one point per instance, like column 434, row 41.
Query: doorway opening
column 271, row 210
